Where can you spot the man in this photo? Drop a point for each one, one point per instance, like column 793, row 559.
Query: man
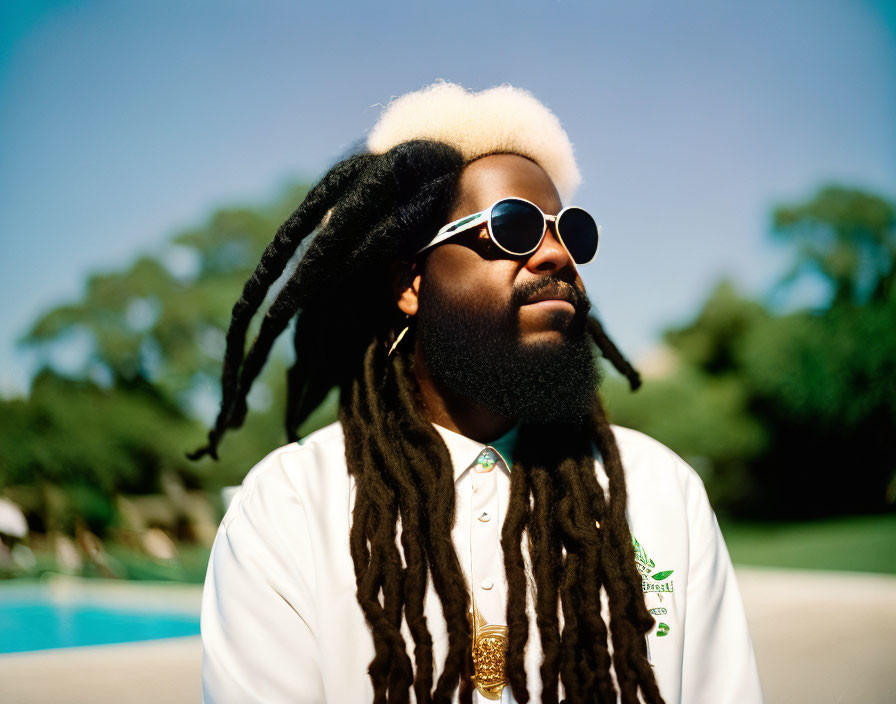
column 472, row 528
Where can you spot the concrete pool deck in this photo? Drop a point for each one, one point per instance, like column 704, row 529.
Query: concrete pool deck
column 822, row 637
column 819, row 637
column 161, row 671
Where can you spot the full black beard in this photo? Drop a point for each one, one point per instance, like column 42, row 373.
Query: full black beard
column 477, row 353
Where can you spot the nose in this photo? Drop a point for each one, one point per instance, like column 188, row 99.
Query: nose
column 551, row 257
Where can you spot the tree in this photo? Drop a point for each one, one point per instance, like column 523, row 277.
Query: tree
column 793, row 415
column 92, row 443
column 150, row 384
column 846, row 236
column 162, row 320
column 702, row 408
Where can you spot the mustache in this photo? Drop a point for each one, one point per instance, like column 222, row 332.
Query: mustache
column 524, row 292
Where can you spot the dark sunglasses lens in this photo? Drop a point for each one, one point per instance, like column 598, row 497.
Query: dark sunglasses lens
column 578, row 231
column 517, row 225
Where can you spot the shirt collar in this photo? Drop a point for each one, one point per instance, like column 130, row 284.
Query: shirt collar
column 464, row 450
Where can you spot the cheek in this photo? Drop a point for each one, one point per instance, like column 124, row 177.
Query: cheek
column 466, row 278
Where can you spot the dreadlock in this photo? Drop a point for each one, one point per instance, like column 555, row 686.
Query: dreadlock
column 380, row 209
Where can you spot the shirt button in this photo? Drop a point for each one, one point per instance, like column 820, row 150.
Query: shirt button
column 485, row 517
column 487, row 584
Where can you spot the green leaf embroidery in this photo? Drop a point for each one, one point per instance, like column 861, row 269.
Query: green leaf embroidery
column 660, row 576
column 644, row 563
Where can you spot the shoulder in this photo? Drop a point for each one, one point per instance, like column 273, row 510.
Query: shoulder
column 642, row 453
column 667, row 505
column 649, row 463
column 279, row 521
column 293, row 476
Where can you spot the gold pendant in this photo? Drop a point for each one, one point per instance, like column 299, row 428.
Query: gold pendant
column 489, row 648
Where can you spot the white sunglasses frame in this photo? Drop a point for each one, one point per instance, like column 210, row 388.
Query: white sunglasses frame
column 485, row 216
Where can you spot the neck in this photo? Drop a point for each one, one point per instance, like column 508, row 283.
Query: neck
column 456, row 412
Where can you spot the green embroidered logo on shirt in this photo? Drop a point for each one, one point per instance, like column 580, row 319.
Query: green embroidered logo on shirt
column 642, row 562
column 645, row 567
column 653, row 582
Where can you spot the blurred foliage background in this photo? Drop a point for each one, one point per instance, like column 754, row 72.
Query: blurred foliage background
column 790, row 415
column 787, row 415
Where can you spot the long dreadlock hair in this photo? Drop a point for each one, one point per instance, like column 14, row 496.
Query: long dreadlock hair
column 380, row 209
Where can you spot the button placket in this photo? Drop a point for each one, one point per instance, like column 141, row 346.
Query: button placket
column 486, row 569
column 485, row 536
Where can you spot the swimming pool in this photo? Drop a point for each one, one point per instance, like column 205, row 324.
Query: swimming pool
column 40, row 618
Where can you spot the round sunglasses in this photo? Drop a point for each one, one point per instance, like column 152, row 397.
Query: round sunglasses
column 517, row 226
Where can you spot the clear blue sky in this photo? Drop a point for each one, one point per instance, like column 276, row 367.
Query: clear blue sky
column 121, row 123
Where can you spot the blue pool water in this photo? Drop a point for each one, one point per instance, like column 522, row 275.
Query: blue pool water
column 38, row 625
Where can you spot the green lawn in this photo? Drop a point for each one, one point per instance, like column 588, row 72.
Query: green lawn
column 189, row 567
column 865, row 544
column 126, row 563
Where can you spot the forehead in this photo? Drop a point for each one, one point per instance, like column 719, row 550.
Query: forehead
column 497, row 176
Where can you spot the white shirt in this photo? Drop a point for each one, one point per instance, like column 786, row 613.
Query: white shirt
column 281, row 621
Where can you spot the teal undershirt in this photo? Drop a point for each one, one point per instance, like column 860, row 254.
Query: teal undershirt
column 506, row 443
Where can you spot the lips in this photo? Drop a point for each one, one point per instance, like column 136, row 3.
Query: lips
column 554, row 292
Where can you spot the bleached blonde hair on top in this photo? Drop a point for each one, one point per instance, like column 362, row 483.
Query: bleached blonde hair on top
column 500, row 119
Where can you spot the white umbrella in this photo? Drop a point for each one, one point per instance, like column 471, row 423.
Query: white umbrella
column 12, row 520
